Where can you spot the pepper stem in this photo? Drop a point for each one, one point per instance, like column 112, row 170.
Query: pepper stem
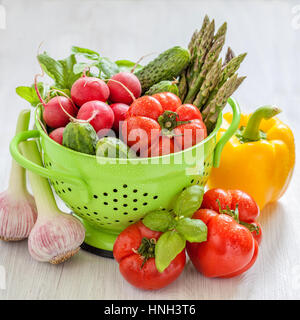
column 252, row 132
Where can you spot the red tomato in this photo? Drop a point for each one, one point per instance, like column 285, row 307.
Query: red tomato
column 230, row 248
column 140, row 132
column 187, row 112
column 189, row 134
column 134, row 269
column 210, row 199
column 168, row 100
column 248, row 208
column 145, row 106
column 163, row 146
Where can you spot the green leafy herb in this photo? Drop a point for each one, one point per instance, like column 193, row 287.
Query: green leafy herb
column 168, row 246
column 61, row 71
column 189, row 201
column 159, row 220
column 107, row 68
column 87, row 53
column 193, row 230
column 127, row 65
column 29, row 93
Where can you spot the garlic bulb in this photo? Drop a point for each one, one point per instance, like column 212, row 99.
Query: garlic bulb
column 18, row 211
column 56, row 236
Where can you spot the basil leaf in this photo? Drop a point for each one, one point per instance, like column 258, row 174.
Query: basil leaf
column 189, row 201
column 61, row 71
column 158, row 220
column 107, row 67
column 127, row 66
column 68, row 74
column 87, row 53
column 193, row 230
column 29, row 93
column 168, row 246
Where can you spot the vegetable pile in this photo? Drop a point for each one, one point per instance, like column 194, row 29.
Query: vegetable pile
column 122, row 109
column 93, row 97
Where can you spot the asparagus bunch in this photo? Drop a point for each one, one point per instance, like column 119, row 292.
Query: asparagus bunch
column 206, row 82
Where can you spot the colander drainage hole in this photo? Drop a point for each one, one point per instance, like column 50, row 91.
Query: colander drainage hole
column 145, row 203
column 115, row 190
column 125, row 213
column 96, row 213
column 125, row 205
column 105, row 217
column 95, row 196
column 85, row 207
column 125, row 196
column 145, row 194
column 105, row 194
column 192, row 181
column 125, row 186
column 135, row 209
column 117, row 220
column 70, row 189
column 135, row 191
column 105, row 203
column 155, row 197
column 115, row 200
column 134, row 200
column 115, row 209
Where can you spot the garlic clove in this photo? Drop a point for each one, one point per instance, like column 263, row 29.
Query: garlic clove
column 17, row 216
column 56, row 239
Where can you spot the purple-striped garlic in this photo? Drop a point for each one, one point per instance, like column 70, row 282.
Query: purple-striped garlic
column 56, row 236
column 18, row 211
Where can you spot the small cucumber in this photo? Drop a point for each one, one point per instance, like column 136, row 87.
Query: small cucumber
column 110, row 147
column 167, row 66
column 163, row 86
column 81, row 137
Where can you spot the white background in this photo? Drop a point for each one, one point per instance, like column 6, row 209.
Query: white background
column 268, row 30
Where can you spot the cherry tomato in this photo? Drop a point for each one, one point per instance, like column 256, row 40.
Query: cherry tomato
column 163, row 146
column 189, row 134
column 187, row 112
column 145, row 106
column 134, row 268
column 169, row 101
column 140, row 132
column 211, row 196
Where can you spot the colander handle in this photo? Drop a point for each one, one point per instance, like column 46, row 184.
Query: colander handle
column 42, row 171
column 236, row 116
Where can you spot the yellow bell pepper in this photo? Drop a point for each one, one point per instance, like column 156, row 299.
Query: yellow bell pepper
column 259, row 159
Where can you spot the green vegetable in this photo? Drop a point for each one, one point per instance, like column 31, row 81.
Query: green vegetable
column 167, row 66
column 111, row 147
column 61, row 71
column 127, row 66
column 203, row 79
column 168, row 246
column 29, row 93
column 159, row 220
column 188, row 201
column 163, row 86
column 81, row 137
column 193, row 230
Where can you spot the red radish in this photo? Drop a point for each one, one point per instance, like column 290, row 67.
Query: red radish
column 118, row 93
column 88, row 89
column 54, row 114
column 104, row 118
column 57, row 135
column 119, row 110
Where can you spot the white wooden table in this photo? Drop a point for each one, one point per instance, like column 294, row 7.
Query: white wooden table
column 270, row 33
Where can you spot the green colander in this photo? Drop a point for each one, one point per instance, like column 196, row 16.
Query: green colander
column 110, row 194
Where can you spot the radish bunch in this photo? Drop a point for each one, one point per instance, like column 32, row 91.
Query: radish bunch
column 89, row 101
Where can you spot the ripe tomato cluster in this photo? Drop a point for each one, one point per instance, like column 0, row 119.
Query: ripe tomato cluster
column 230, row 249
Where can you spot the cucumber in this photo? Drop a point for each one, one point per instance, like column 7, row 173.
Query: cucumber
column 81, row 137
column 167, row 66
column 110, row 147
column 163, row 86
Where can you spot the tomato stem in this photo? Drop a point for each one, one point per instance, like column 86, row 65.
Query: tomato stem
column 147, row 249
column 168, row 120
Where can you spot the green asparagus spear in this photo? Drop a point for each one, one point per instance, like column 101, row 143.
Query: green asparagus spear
column 208, row 85
column 210, row 59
